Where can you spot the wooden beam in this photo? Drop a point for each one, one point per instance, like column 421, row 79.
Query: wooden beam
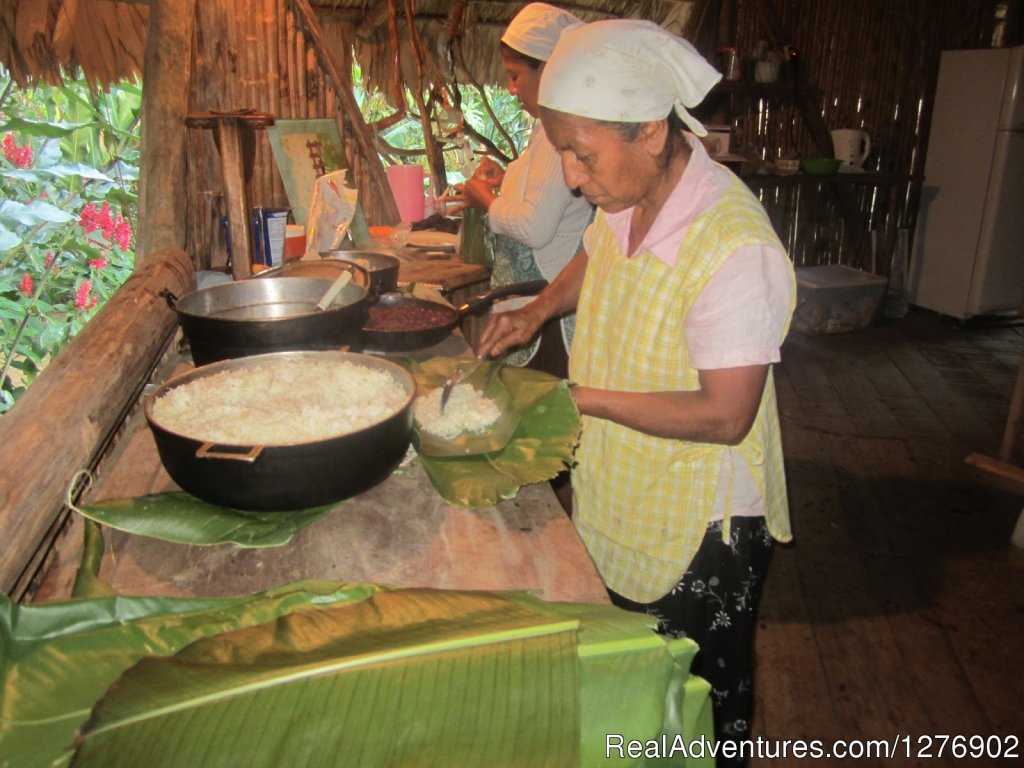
column 996, row 467
column 65, row 419
column 166, row 73
column 361, row 137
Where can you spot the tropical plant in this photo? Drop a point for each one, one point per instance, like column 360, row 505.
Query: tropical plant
column 407, row 134
column 69, row 177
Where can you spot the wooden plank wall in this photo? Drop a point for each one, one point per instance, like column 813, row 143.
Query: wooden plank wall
column 250, row 54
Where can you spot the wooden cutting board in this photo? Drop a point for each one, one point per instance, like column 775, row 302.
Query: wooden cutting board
column 445, row 274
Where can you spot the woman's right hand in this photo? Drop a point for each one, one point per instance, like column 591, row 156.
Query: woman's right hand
column 488, row 170
column 506, row 330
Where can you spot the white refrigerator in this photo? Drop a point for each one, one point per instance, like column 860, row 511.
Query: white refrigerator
column 968, row 255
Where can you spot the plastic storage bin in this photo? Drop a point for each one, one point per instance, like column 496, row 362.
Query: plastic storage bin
column 834, row 298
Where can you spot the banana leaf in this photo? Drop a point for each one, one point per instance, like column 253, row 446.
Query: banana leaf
column 406, row 678
column 541, row 446
column 57, row 659
column 180, row 517
column 357, row 676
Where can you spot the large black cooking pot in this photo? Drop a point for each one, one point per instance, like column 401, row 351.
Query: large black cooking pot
column 442, row 318
column 285, row 477
column 253, row 317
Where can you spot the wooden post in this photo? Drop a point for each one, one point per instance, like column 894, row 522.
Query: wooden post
column 166, row 72
column 229, row 135
column 233, row 131
column 63, row 421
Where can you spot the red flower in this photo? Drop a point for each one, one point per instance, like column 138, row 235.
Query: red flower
column 82, row 295
column 19, row 157
column 99, row 263
column 122, row 233
column 106, row 223
column 50, row 258
column 25, row 286
column 89, row 219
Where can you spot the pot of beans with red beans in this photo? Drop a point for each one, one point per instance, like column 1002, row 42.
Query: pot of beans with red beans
column 397, row 322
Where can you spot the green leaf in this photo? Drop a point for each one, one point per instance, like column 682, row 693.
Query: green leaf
column 59, row 171
column 42, row 127
column 416, row 669
column 8, row 239
column 34, row 213
column 57, row 659
column 411, row 677
column 180, row 517
column 540, row 448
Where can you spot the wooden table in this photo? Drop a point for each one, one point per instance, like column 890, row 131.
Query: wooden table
column 400, row 532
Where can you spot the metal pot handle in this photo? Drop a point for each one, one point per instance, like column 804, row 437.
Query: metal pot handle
column 233, row 453
column 169, row 297
column 481, row 302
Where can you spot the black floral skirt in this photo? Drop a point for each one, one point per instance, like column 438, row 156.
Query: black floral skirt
column 715, row 605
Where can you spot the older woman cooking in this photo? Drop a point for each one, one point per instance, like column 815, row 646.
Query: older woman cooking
column 683, row 295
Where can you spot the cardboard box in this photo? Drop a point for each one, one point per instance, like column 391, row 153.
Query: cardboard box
column 835, row 298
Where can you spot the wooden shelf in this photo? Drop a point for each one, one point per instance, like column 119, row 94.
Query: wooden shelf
column 792, row 179
column 774, row 90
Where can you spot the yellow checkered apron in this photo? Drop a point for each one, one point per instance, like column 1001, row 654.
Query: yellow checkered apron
column 643, row 502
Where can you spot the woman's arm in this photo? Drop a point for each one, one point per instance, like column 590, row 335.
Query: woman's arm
column 534, row 197
column 505, row 330
column 721, row 411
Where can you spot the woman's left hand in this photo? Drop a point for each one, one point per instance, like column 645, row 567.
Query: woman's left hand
column 454, row 202
column 478, row 192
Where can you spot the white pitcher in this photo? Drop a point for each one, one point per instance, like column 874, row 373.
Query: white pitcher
column 852, row 147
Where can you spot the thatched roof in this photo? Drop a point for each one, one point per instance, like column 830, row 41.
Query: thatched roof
column 106, row 38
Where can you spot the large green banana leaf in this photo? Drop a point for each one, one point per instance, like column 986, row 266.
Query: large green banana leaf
column 396, row 678
column 180, row 517
column 57, row 659
column 541, row 446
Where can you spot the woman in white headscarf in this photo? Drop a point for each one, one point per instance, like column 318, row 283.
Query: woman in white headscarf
column 683, row 296
column 535, row 221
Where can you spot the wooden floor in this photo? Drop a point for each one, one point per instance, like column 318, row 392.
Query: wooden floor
column 898, row 610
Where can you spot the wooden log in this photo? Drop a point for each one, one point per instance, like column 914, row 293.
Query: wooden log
column 162, row 185
column 63, row 421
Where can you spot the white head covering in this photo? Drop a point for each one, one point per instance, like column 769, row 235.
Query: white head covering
column 535, row 30
column 626, row 71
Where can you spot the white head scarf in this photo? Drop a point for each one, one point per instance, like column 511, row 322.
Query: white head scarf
column 535, row 30
column 626, row 71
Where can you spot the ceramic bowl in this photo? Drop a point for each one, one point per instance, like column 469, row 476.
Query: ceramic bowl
column 820, row 166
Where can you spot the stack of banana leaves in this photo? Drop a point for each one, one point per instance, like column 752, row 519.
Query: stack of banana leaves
column 325, row 674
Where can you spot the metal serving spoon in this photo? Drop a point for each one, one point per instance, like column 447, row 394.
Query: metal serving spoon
column 457, row 378
column 333, row 290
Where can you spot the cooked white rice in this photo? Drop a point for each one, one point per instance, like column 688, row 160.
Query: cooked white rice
column 281, row 403
column 467, row 410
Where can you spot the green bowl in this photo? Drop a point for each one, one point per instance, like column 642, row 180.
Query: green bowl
column 820, row 166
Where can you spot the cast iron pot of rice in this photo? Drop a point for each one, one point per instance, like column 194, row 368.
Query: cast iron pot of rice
column 400, row 323
column 253, row 317
column 288, row 475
